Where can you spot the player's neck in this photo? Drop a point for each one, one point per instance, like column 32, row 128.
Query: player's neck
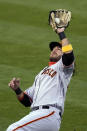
column 51, row 63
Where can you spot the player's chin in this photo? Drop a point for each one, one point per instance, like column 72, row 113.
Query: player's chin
column 55, row 59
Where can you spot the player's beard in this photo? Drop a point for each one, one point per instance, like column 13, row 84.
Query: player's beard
column 55, row 59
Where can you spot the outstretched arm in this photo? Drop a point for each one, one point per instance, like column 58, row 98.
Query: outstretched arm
column 22, row 97
column 68, row 56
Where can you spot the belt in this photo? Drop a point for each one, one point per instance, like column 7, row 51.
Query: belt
column 40, row 107
column 46, row 107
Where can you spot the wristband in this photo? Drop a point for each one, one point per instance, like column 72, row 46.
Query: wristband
column 18, row 91
column 67, row 48
column 62, row 35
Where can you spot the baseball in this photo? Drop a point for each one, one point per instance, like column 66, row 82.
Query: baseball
column 57, row 20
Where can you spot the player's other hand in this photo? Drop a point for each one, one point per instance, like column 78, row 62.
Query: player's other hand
column 14, row 83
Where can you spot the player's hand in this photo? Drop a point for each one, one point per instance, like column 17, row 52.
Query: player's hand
column 59, row 30
column 14, row 83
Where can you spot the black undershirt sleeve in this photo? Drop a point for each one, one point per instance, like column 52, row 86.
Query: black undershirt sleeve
column 26, row 100
column 68, row 58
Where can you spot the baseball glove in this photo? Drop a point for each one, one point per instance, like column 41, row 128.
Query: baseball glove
column 59, row 18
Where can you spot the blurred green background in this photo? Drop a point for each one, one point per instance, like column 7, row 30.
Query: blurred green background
column 24, row 39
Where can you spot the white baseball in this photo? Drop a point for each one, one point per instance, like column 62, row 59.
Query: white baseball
column 57, row 20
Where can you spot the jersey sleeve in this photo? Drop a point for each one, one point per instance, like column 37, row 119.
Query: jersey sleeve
column 30, row 91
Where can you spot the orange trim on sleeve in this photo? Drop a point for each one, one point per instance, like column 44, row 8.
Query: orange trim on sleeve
column 34, row 121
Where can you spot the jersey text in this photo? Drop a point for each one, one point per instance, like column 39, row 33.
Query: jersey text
column 50, row 72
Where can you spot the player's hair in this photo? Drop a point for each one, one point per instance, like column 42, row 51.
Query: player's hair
column 54, row 44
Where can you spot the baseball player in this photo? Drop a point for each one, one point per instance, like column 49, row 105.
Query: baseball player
column 47, row 94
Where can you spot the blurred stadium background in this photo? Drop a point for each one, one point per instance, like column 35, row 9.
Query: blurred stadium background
column 24, row 38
